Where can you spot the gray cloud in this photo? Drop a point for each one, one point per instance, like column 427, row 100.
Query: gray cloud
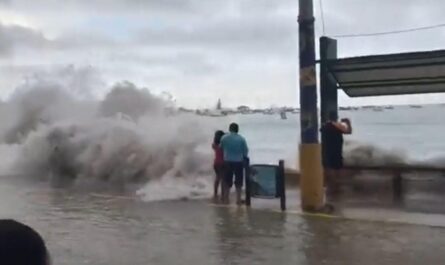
column 252, row 34
column 356, row 17
column 229, row 45
column 13, row 36
column 210, row 7
column 107, row 6
column 185, row 63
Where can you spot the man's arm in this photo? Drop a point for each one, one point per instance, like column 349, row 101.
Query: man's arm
column 344, row 126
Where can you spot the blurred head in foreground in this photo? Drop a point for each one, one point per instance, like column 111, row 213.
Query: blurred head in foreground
column 21, row 245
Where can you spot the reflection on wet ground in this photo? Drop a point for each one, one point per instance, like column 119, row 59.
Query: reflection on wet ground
column 83, row 228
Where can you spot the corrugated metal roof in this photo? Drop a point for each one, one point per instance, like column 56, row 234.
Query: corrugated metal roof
column 392, row 74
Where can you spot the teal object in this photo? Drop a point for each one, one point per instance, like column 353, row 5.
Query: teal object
column 263, row 181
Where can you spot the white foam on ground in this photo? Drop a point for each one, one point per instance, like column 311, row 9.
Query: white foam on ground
column 171, row 188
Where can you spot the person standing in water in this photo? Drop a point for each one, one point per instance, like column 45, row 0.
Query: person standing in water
column 332, row 139
column 218, row 164
column 235, row 151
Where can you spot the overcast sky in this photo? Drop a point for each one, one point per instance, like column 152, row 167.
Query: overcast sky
column 242, row 51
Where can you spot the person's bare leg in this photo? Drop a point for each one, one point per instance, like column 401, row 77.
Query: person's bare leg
column 326, row 172
column 331, row 183
column 225, row 193
column 238, row 195
column 328, row 175
column 341, row 173
column 221, row 198
column 215, row 189
column 335, row 183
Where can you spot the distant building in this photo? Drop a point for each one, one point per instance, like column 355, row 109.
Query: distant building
column 243, row 109
column 219, row 105
column 184, row 110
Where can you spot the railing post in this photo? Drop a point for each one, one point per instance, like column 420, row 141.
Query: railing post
column 282, row 183
column 247, row 181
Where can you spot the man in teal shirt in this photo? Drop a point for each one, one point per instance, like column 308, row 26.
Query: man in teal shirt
column 235, row 152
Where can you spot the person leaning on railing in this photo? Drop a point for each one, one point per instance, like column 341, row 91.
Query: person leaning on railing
column 332, row 139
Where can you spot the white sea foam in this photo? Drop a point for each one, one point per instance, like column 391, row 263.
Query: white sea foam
column 131, row 137
column 356, row 153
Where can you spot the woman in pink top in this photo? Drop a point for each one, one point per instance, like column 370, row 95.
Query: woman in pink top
column 218, row 163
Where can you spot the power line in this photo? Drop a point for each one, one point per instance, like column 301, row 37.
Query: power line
column 322, row 16
column 389, row 32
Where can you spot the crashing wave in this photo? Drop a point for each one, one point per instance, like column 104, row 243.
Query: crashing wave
column 361, row 154
column 127, row 139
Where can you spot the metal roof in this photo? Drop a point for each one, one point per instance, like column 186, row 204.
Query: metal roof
column 392, row 74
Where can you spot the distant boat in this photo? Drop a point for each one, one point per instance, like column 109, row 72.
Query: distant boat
column 268, row 112
column 377, row 109
column 415, row 106
column 283, row 115
column 368, row 107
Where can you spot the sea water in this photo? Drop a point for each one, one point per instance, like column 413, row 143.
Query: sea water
column 413, row 134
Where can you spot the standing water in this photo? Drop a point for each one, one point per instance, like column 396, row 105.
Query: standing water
column 125, row 181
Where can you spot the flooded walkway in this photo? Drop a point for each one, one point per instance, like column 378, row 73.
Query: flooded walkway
column 83, row 228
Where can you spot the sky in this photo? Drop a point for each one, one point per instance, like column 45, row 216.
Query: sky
column 242, row 51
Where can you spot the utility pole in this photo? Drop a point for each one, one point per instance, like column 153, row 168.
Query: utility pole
column 311, row 179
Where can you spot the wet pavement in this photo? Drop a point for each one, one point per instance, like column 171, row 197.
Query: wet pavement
column 89, row 228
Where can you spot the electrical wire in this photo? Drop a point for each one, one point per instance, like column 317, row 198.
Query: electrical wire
column 322, row 17
column 390, row 32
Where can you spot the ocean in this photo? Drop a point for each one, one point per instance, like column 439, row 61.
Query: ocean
column 410, row 133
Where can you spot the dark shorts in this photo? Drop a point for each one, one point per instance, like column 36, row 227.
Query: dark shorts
column 333, row 162
column 234, row 169
column 219, row 170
